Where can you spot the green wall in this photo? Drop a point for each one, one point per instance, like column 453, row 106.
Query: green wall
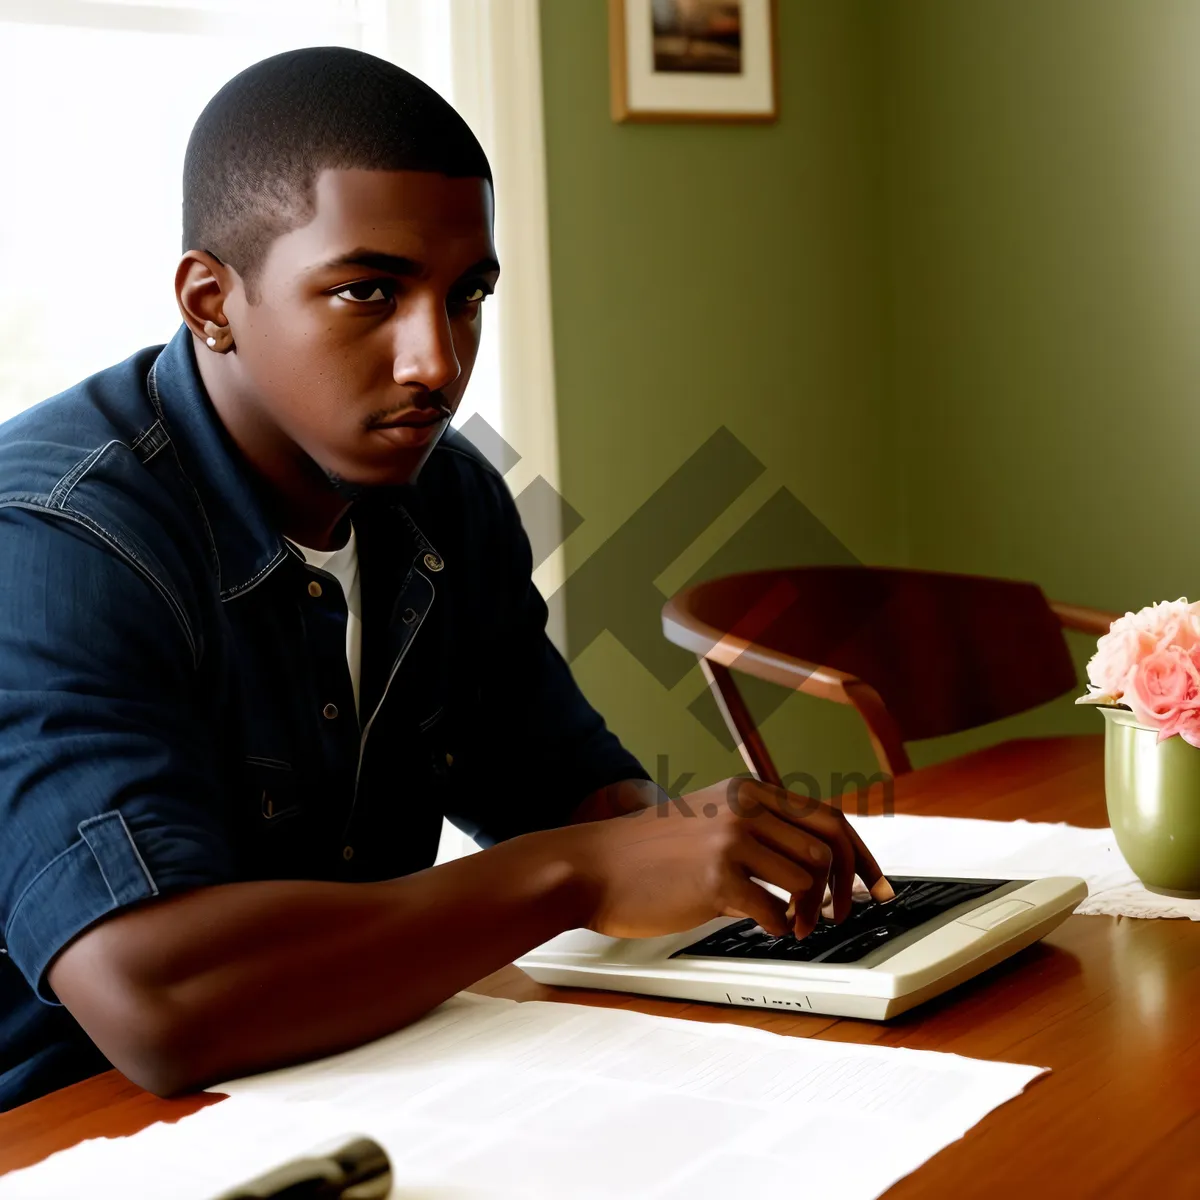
column 708, row 275
column 946, row 300
column 1042, row 212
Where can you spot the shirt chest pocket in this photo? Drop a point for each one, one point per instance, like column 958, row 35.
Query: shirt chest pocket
column 277, row 817
column 272, row 791
column 449, row 738
column 438, row 740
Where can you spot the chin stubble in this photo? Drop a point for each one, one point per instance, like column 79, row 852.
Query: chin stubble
column 345, row 489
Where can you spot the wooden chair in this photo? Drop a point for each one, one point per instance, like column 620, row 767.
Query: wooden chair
column 917, row 653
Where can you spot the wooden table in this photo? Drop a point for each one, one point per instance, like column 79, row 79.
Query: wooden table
column 1111, row 1005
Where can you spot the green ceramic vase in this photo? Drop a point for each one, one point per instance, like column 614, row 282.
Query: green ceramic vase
column 1153, row 794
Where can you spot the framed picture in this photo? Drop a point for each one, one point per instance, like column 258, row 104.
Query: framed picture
column 693, row 60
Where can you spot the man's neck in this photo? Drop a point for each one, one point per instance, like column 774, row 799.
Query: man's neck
column 304, row 503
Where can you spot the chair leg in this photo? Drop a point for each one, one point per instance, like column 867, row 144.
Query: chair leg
column 741, row 724
column 881, row 728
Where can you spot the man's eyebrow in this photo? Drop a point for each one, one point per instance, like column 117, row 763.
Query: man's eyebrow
column 393, row 264
column 485, row 266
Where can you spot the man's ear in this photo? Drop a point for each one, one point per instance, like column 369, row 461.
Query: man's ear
column 202, row 285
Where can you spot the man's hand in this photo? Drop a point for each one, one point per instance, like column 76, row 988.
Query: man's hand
column 672, row 867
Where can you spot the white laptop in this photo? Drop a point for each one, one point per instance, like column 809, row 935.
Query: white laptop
column 883, row 959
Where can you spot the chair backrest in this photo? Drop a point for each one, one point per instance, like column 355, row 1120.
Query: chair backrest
column 944, row 652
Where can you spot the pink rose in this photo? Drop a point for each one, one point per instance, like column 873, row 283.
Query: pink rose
column 1186, row 724
column 1164, row 689
column 1133, row 637
column 1117, row 653
column 1180, row 631
column 1170, row 623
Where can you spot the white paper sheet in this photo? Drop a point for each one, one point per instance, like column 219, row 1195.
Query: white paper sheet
column 912, row 845
column 488, row 1098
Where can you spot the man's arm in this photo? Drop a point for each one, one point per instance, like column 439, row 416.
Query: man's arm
column 231, row 979
column 618, row 800
column 223, row 981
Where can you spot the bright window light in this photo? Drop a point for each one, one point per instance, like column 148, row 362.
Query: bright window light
column 101, row 96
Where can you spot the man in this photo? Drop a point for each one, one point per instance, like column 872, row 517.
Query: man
column 266, row 620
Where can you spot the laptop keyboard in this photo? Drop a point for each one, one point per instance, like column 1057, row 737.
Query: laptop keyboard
column 871, row 924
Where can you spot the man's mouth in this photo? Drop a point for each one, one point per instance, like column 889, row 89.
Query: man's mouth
column 413, row 418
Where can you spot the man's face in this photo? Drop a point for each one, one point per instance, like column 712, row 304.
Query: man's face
column 367, row 316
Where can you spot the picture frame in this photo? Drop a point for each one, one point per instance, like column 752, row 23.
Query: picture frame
column 693, row 60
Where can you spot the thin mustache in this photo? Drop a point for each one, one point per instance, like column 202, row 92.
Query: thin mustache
column 433, row 400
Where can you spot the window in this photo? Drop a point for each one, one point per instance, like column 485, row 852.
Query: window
column 106, row 92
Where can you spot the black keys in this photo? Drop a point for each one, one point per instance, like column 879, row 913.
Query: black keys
column 860, row 945
column 871, row 924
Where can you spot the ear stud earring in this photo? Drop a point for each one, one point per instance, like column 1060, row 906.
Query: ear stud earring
column 217, row 337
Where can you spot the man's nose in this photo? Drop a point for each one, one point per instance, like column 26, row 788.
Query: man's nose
column 424, row 350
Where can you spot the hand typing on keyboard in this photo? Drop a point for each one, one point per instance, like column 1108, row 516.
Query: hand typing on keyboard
column 680, row 863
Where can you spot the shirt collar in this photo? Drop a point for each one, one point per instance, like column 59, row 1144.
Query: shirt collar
column 246, row 544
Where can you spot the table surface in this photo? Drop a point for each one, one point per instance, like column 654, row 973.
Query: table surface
column 1111, row 1005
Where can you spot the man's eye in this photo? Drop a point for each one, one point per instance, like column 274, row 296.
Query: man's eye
column 366, row 291
column 475, row 295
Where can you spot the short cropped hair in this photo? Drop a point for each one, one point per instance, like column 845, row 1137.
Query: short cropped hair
column 254, row 154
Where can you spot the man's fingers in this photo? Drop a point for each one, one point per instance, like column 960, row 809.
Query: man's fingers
column 824, row 844
column 830, row 825
column 868, row 869
column 806, row 849
column 807, row 887
column 772, row 867
column 841, row 876
column 808, row 904
column 749, row 899
column 762, row 801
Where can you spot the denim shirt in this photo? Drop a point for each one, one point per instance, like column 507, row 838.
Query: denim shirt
column 176, row 709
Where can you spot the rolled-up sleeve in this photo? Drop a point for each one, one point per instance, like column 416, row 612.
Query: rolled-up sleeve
column 108, row 792
column 540, row 748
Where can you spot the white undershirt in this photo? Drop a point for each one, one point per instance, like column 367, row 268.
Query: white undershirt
column 342, row 564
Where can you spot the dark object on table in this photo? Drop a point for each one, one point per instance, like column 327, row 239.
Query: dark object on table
column 358, row 1169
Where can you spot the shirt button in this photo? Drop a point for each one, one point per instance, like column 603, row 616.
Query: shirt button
column 410, row 615
column 347, row 852
column 314, row 589
column 433, row 562
column 330, row 711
